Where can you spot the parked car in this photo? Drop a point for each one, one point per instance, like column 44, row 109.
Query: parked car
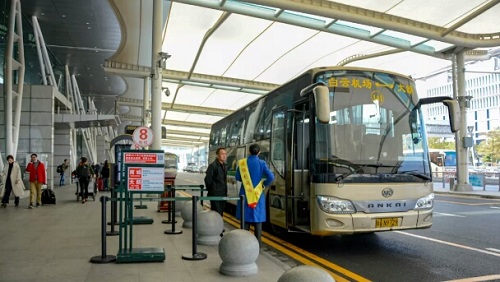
column 203, row 169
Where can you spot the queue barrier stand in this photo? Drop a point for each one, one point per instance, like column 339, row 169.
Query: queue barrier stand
column 103, row 258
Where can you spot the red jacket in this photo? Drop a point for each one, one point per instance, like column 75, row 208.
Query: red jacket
column 40, row 172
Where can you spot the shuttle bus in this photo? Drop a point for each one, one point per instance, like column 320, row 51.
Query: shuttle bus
column 334, row 137
column 171, row 165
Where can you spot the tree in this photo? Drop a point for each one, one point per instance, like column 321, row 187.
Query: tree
column 490, row 148
column 436, row 143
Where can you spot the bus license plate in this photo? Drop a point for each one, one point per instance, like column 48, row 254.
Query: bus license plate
column 386, row 222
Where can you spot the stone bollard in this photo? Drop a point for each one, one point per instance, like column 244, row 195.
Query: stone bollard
column 306, row 273
column 187, row 214
column 210, row 226
column 238, row 249
column 178, row 205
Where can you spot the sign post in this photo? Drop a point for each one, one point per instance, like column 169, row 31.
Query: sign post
column 143, row 173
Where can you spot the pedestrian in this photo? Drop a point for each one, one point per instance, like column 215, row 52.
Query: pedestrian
column 12, row 182
column 105, row 175
column 38, row 178
column 251, row 172
column 62, row 170
column 216, row 180
column 84, row 172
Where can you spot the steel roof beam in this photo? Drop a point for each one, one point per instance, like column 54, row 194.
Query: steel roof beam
column 177, row 107
column 187, row 133
column 353, row 14
column 196, row 79
column 383, row 20
column 186, row 123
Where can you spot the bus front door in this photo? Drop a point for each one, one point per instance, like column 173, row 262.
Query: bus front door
column 299, row 176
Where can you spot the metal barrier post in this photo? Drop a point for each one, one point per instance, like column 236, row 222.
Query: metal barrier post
column 242, row 212
column 113, row 232
column 195, row 255
column 169, row 211
column 201, row 194
column 442, row 178
column 103, row 258
column 172, row 208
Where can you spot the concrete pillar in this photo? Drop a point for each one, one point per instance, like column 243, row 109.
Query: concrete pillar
column 462, row 155
column 62, row 151
column 156, row 80
column 101, row 147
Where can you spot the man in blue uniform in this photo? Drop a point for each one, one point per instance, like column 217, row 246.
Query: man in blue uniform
column 251, row 172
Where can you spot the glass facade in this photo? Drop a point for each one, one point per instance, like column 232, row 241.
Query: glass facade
column 32, row 71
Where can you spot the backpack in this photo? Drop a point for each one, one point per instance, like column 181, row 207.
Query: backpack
column 84, row 171
column 59, row 169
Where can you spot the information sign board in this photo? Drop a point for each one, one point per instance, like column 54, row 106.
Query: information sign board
column 143, row 158
column 145, row 179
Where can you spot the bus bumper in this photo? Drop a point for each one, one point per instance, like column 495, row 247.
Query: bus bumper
column 328, row 224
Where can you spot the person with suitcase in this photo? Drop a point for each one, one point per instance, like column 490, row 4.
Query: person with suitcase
column 38, row 178
column 84, row 172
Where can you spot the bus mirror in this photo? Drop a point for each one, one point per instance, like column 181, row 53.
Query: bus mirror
column 453, row 109
column 453, row 114
column 322, row 100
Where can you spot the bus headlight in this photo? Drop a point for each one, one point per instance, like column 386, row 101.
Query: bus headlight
column 335, row 205
column 426, row 202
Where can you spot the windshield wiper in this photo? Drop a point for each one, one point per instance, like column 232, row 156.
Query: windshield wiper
column 359, row 169
column 416, row 174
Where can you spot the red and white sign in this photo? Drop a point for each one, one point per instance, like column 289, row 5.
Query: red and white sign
column 143, row 158
column 149, row 179
column 143, row 136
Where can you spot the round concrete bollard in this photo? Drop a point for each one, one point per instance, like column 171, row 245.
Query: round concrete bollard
column 187, row 214
column 238, row 249
column 178, row 205
column 306, row 273
column 210, row 226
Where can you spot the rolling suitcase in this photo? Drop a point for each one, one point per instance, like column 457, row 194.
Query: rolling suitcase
column 100, row 184
column 48, row 197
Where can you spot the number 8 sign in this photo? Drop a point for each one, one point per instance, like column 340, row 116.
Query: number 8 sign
column 143, row 136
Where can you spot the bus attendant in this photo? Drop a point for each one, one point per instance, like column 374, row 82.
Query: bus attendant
column 250, row 172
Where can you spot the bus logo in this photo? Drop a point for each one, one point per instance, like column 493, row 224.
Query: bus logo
column 387, row 192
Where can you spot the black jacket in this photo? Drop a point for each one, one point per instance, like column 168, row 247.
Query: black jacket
column 216, row 179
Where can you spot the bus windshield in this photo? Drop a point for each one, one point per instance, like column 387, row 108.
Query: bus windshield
column 373, row 120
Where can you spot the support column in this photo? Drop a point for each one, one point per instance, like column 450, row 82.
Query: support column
column 145, row 109
column 462, row 163
column 156, row 79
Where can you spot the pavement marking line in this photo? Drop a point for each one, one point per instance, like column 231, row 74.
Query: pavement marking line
column 449, row 243
column 466, row 196
column 477, row 279
column 293, row 251
column 495, row 207
column 465, row 204
column 298, row 257
column 493, row 249
column 448, row 214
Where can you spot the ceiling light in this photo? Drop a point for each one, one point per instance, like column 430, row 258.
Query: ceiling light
column 63, row 16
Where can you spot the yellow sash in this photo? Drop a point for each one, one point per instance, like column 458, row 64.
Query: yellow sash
column 252, row 194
